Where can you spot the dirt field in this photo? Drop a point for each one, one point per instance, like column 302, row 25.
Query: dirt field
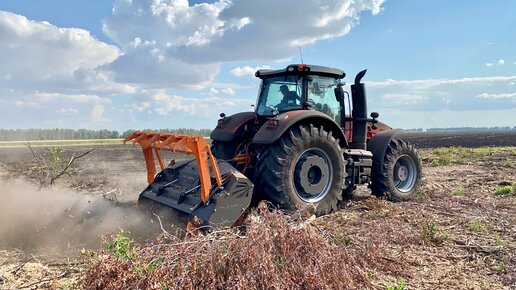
column 458, row 234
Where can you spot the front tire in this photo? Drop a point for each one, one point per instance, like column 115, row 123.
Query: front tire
column 401, row 173
column 304, row 167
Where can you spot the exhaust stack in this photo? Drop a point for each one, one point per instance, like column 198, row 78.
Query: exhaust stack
column 359, row 113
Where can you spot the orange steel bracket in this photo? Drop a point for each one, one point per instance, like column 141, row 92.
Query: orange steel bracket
column 189, row 144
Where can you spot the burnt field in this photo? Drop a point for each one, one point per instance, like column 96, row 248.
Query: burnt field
column 459, row 233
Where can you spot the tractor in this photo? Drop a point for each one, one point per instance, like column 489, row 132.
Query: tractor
column 307, row 143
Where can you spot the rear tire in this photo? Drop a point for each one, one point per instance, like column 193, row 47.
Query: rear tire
column 304, row 167
column 402, row 172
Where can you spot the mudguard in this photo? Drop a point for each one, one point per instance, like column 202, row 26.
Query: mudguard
column 377, row 145
column 231, row 126
column 273, row 129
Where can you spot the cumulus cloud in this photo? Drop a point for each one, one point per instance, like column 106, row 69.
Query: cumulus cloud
column 404, row 98
column 465, row 94
column 181, row 45
column 489, row 64
column 97, row 114
column 501, row 61
column 161, row 103
column 68, row 111
column 247, row 70
column 228, row 91
column 510, row 96
column 40, row 56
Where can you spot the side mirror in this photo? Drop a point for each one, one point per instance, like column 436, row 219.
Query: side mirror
column 339, row 94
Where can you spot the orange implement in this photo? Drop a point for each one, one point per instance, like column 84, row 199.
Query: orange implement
column 189, row 144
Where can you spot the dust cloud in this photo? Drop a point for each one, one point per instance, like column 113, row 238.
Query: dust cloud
column 32, row 219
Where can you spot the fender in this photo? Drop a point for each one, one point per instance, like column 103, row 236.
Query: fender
column 377, row 145
column 268, row 133
column 231, row 126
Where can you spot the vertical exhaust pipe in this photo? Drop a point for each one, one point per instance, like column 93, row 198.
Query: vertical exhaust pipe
column 359, row 113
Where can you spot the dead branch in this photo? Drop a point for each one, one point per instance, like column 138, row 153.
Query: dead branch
column 44, row 281
column 72, row 160
column 21, row 266
column 161, row 225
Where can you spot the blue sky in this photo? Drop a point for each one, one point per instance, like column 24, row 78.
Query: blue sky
column 165, row 64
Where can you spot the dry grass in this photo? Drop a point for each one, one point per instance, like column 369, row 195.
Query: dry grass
column 274, row 253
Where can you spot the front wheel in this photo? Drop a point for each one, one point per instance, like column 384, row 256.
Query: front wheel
column 304, row 167
column 401, row 174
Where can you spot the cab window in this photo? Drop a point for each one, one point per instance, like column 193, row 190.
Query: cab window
column 322, row 96
column 279, row 93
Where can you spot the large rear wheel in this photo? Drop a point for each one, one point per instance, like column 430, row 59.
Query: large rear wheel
column 402, row 173
column 304, row 167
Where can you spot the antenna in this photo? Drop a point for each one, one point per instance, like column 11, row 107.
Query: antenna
column 301, row 53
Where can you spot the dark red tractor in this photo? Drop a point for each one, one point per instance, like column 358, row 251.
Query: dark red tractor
column 306, row 143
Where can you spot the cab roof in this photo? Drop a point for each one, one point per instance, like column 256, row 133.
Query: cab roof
column 302, row 69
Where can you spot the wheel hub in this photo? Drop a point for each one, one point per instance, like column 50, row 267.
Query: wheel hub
column 402, row 173
column 312, row 175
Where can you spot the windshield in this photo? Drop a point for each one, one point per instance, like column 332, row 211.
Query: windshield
column 279, row 93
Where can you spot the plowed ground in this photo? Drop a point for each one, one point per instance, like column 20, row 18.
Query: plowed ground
column 459, row 233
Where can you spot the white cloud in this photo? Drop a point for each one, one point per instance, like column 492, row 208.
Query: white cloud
column 501, row 61
column 465, row 94
column 213, row 92
column 228, row 91
column 247, row 70
column 68, row 111
column 173, row 44
column 47, row 97
column 161, row 103
column 511, row 96
column 488, row 64
column 514, row 62
column 41, row 56
column 97, row 114
column 403, row 98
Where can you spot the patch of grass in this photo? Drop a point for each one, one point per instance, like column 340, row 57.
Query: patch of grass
column 421, row 195
column 459, row 192
column 499, row 267
column 430, row 232
column 498, row 240
column 400, row 285
column 506, row 190
column 477, row 226
column 442, row 161
column 121, row 246
column 341, row 239
column 459, row 155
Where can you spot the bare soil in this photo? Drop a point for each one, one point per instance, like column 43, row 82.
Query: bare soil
column 457, row 234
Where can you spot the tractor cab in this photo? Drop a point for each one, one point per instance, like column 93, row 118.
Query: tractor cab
column 300, row 87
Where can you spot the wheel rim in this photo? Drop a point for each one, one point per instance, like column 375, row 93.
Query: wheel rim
column 405, row 173
column 313, row 175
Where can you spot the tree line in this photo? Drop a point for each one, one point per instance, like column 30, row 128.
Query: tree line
column 80, row 134
column 474, row 129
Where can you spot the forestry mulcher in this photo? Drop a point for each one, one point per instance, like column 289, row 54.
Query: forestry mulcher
column 306, row 143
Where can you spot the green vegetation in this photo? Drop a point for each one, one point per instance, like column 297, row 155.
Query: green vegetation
column 341, row 239
column 459, row 192
column 55, row 155
column 498, row 240
column 459, row 155
column 121, row 246
column 400, row 285
column 430, row 232
column 506, row 190
column 80, row 134
column 477, row 226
